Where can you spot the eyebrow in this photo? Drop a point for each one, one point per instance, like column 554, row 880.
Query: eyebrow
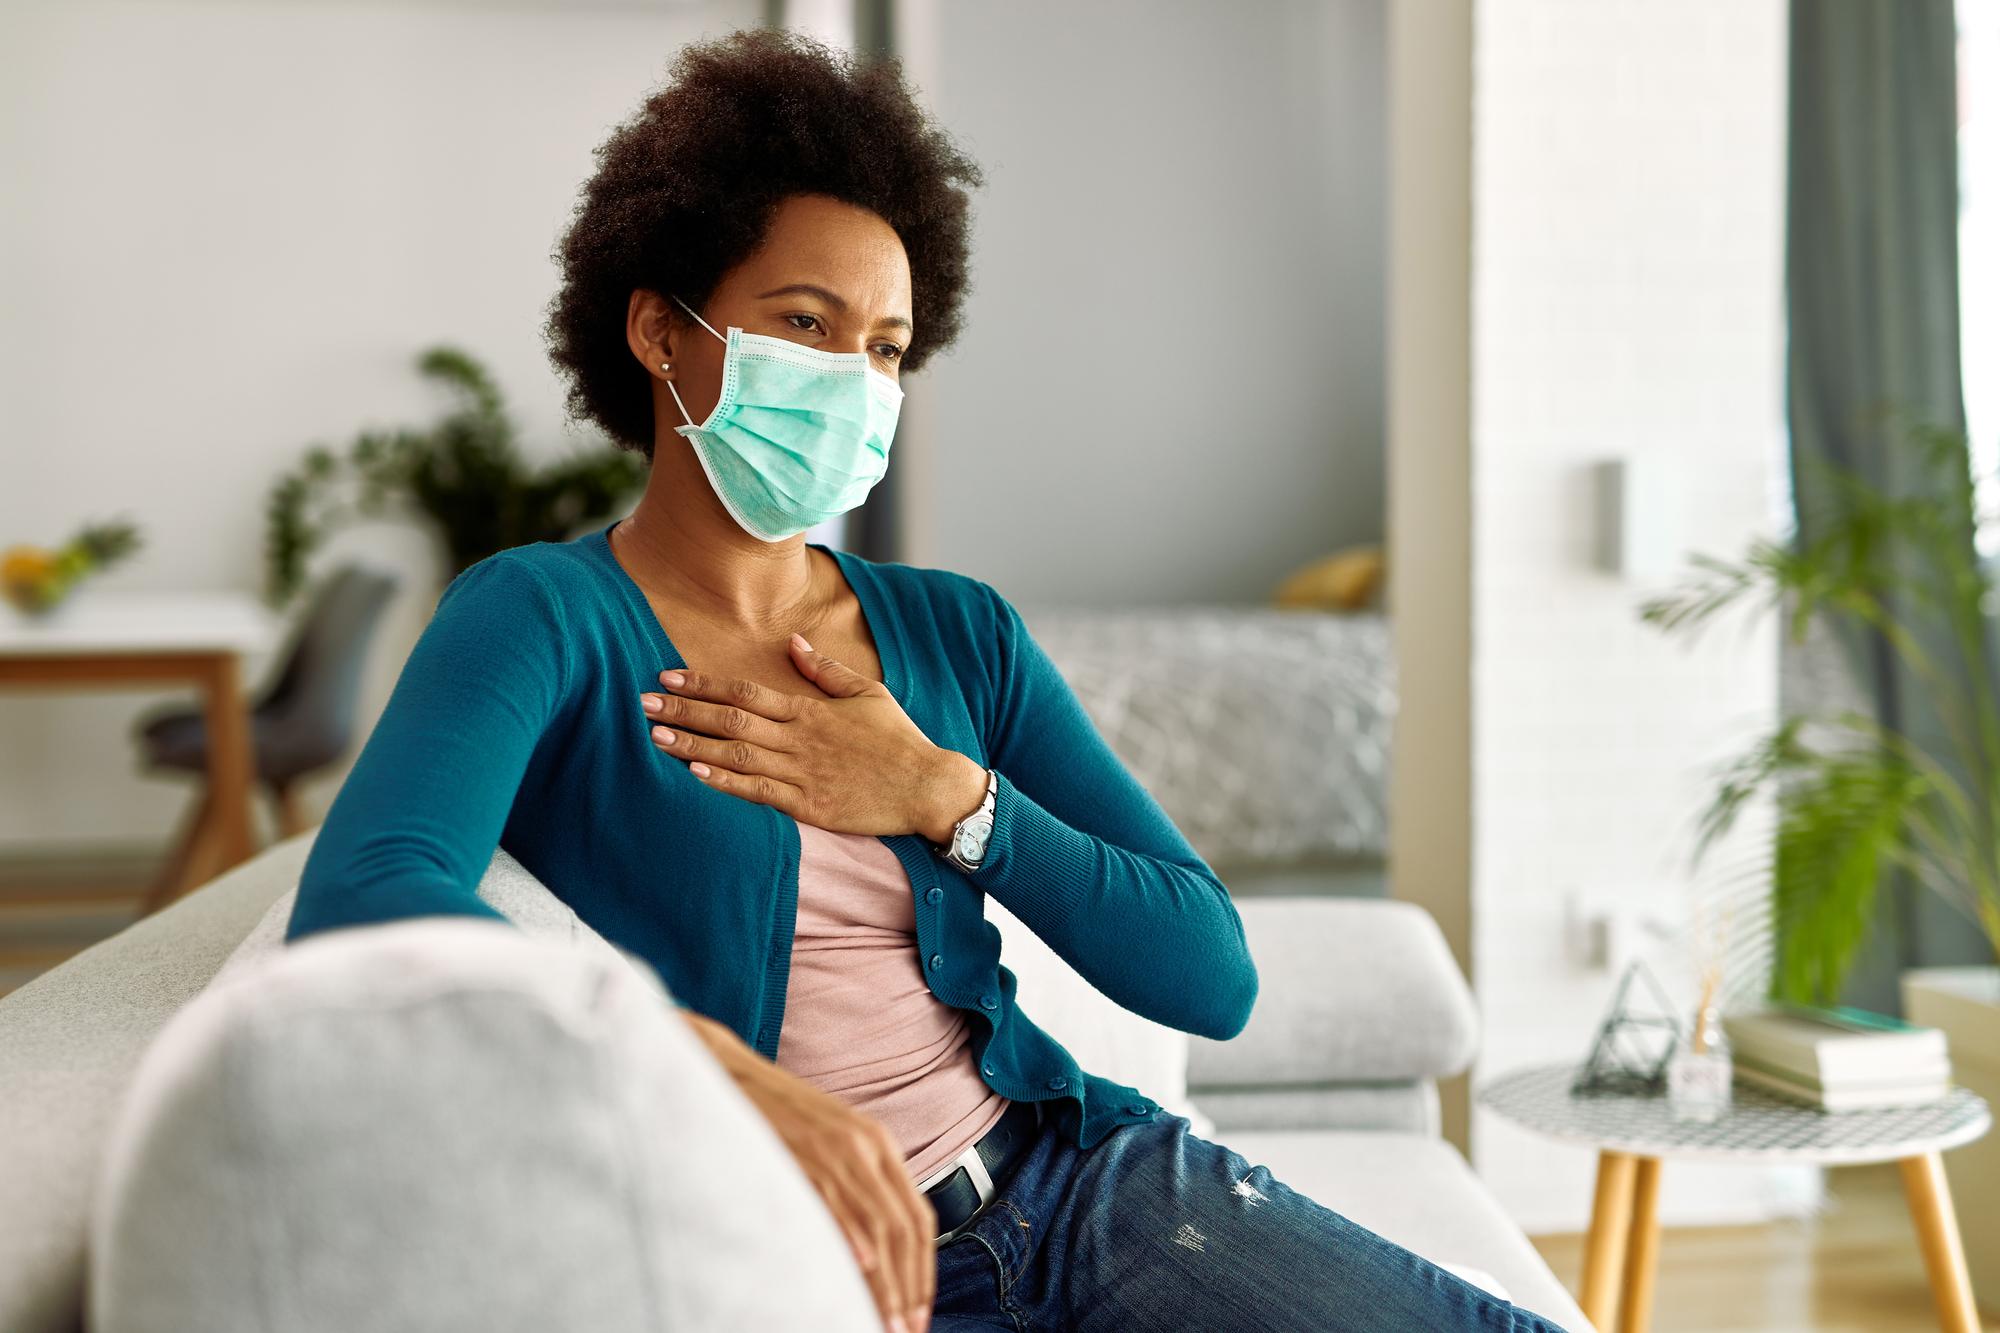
column 834, row 299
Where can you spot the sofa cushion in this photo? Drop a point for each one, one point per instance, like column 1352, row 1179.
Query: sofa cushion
column 444, row 1124
column 1419, row 1192
column 1408, row 1108
column 1371, row 995
column 1101, row 1036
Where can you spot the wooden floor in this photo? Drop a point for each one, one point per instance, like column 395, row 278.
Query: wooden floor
column 1854, row 1268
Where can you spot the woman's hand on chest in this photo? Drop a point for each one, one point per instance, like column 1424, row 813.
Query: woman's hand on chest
column 848, row 759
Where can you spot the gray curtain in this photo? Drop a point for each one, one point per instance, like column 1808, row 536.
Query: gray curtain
column 1872, row 294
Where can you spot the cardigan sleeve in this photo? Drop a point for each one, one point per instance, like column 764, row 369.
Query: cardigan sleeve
column 1087, row 859
column 416, row 821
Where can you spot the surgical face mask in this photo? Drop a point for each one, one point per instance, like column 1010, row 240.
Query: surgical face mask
column 798, row 435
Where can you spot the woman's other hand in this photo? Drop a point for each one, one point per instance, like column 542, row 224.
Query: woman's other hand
column 858, row 1170
column 851, row 762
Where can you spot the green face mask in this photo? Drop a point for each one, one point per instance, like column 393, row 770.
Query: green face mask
column 798, row 435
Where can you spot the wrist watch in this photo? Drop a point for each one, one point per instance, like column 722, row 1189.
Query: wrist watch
column 969, row 837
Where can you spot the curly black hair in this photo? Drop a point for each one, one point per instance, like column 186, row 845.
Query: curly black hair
column 684, row 191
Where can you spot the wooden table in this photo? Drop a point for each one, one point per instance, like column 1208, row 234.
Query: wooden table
column 105, row 640
column 1632, row 1134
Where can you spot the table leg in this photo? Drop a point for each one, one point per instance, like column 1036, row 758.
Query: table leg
column 1604, row 1249
column 1642, row 1251
column 1937, row 1235
column 229, row 760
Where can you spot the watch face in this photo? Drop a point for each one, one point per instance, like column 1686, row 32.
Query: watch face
column 973, row 837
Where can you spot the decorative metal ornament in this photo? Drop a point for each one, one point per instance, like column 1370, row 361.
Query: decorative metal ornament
column 1629, row 1056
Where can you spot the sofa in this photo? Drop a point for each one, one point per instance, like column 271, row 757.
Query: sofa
column 1332, row 1084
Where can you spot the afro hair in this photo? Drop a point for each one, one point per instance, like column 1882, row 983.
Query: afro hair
column 684, row 191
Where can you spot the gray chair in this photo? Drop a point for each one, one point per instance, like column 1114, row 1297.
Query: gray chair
column 301, row 721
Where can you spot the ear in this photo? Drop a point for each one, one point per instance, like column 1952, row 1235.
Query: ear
column 653, row 331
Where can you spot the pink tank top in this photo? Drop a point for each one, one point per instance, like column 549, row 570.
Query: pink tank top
column 860, row 1024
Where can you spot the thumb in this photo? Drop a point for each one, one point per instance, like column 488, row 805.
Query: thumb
column 835, row 678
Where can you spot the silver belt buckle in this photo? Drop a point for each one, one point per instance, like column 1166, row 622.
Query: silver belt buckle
column 975, row 1166
column 982, row 1181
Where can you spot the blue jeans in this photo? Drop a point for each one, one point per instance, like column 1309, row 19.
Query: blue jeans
column 1155, row 1229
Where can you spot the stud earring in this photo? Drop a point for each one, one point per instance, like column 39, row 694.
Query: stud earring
column 665, row 366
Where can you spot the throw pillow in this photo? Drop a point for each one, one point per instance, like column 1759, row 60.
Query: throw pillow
column 443, row 1124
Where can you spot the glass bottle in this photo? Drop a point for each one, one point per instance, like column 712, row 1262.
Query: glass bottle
column 1698, row 1073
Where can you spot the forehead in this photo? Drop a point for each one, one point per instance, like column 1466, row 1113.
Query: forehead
column 824, row 241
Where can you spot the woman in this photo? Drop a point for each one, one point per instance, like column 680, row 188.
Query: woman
column 787, row 776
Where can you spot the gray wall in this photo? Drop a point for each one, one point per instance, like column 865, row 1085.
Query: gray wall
column 229, row 229
column 1170, row 386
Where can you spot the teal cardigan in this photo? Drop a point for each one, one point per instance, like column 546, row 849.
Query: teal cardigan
column 516, row 723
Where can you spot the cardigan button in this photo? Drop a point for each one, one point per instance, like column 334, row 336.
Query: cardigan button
column 1139, row 1108
column 986, row 1070
column 1058, row 1083
column 937, row 961
column 936, row 895
column 988, row 1002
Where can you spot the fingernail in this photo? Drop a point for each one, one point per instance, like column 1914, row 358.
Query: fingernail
column 699, row 770
column 896, row 1324
column 663, row 736
column 673, row 678
column 649, row 702
column 800, row 641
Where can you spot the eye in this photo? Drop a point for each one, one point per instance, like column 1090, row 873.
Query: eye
column 888, row 351
column 806, row 323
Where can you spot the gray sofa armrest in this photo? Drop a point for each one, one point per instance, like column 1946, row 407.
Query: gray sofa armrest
column 1351, row 990
column 69, row 1041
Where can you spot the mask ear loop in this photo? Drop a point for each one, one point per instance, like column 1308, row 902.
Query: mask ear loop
column 698, row 319
column 678, row 403
column 670, row 384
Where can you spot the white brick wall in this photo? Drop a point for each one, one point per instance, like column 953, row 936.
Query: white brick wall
column 1628, row 177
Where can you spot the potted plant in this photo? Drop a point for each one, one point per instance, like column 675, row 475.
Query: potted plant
column 464, row 475
column 1858, row 800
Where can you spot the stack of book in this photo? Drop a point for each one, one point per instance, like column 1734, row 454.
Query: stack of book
column 1838, row 1059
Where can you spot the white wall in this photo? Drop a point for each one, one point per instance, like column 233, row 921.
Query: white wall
column 1169, row 388
column 1628, row 182
column 228, row 230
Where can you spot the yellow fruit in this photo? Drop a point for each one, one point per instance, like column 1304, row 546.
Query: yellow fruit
column 23, row 566
column 32, row 578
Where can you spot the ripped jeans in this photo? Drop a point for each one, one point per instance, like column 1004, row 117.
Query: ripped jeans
column 1155, row 1229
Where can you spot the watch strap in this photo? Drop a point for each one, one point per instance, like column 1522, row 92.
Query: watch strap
column 949, row 848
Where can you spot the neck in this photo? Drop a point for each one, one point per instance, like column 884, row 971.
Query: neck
column 681, row 541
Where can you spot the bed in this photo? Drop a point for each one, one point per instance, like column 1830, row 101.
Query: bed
column 1263, row 732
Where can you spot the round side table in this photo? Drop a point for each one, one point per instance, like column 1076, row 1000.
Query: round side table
column 1632, row 1133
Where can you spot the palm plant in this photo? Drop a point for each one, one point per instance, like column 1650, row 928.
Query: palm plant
column 465, row 474
column 1860, row 798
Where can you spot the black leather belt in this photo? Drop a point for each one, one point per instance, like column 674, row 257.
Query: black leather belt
column 959, row 1195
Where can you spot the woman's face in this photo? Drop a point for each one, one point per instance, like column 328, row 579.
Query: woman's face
column 828, row 275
